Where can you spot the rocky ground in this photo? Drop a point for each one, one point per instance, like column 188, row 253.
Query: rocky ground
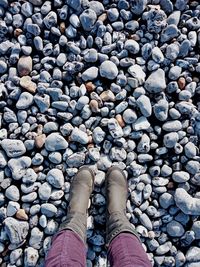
column 100, row 83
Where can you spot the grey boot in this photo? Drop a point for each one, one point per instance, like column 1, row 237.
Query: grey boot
column 81, row 188
column 116, row 194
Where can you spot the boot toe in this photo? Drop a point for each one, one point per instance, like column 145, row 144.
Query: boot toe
column 87, row 175
column 115, row 174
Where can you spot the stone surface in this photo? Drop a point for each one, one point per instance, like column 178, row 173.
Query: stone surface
column 16, row 230
column 108, row 70
column 13, row 148
column 27, row 84
column 156, row 83
column 24, row 65
column 55, row 178
column 55, row 141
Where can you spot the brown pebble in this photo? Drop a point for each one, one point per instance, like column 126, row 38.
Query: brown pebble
column 62, row 27
column 170, row 185
column 181, row 83
column 94, row 106
column 24, row 65
column 21, row 215
column 107, row 96
column 91, row 145
column 135, row 37
column 90, row 86
column 40, row 140
column 90, row 140
column 37, row 168
column 17, row 32
column 120, row 120
column 4, row 253
column 26, row 83
column 102, row 17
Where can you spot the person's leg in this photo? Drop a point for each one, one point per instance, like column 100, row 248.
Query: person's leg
column 67, row 250
column 68, row 246
column 125, row 250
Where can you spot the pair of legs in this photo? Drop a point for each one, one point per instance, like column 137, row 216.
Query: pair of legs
column 69, row 244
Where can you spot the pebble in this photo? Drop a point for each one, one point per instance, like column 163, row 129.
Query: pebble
column 21, row 215
column 180, row 176
column 18, row 166
column 170, row 32
column 114, row 128
column 55, row 178
column 76, row 160
column 156, row 83
column 190, row 150
column 137, row 72
column 186, row 203
column 90, row 74
column 25, row 100
column 107, row 96
column 129, row 116
column 79, row 136
column 12, row 193
column 138, row 7
column 172, row 126
column 44, row 191
column 33, row 29
column 98, row 135
column 36, row 238
column 88, row 18
column 108, row 70
column 196, row 229
column 16, row 230
column 170, row 139
column 24, row 65
column 161, row 109
column 12, row 208
column 192, row 254
column 31, row 257
column 48, row 209
column 15, row 255
column 13, row 148
column 145, row 221
column 54, row 142
column 157, row 55
column 50, row 20
column 3, row 67
column 175, row 73
column 166, row 200
column 141, row 124
column 164, row 248
column 26, row 83
column 156, row 20
column 144, row 105
column 132, row 46
column 175, row 229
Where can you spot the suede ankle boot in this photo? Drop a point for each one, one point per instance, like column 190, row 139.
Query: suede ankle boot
column 116, row 194
column 81, row 188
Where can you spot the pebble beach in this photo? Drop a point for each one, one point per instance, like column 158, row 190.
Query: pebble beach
column 100, row 83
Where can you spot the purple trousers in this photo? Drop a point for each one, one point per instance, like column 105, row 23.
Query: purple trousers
column 68, row 250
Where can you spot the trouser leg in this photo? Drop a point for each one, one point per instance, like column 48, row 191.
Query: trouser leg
column 67, row 250
column 125, row 250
